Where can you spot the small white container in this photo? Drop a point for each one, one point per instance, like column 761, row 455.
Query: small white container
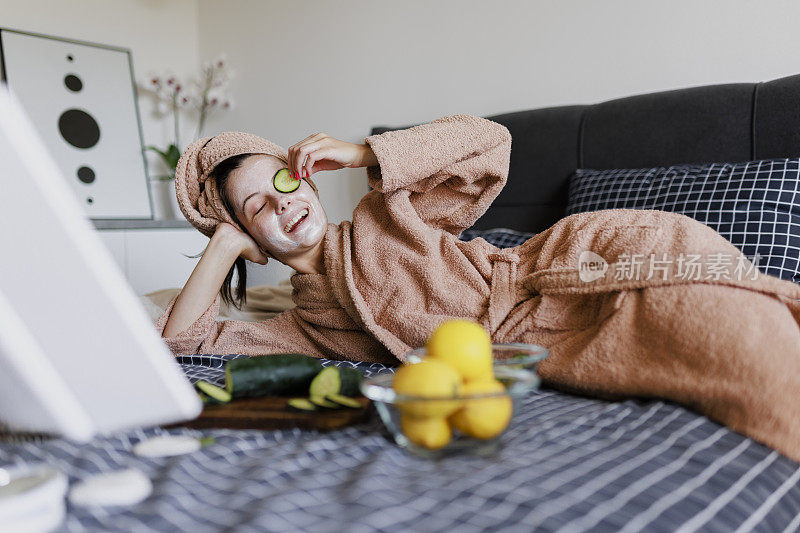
column 32, row 498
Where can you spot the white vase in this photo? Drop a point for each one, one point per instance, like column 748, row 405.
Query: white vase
column 165, row 203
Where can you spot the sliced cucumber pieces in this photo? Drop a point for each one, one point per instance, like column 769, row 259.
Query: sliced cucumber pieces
column 301, row 404
column 322, row 402
column 326, row 382
column 284, row 182
column 344, row 401
column 206, row 399
column 217, row 394
column 333, row 401
column 335, row 380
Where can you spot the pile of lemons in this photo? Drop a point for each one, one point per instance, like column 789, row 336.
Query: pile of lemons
column 458, row 362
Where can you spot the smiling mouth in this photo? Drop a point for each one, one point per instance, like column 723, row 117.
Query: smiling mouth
column 296, row 221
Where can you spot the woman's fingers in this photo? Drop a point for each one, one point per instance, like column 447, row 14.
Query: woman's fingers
column 322, row 152
column 305, row 155
column 293, row 157
column 295, row 161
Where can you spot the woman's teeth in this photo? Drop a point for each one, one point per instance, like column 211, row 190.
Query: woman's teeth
column 290, row 226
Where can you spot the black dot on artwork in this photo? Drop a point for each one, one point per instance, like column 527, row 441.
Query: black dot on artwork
column 86, row 174
column 73, row 83
column 69, row 58
column 89, row 200
column 79, row 128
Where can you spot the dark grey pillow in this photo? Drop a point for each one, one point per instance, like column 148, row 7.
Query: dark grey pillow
column 755, row 204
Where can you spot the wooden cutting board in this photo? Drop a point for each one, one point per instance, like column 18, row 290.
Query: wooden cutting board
column 271, row 412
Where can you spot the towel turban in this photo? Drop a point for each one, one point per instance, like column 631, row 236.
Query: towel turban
column 198, row 197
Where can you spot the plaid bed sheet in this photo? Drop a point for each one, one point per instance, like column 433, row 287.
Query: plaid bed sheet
column 568, row 463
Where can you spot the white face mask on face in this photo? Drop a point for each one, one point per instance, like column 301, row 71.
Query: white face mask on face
column 268, row 212
column 269, row 224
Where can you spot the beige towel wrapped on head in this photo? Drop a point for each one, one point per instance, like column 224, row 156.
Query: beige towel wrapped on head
column 196, row 190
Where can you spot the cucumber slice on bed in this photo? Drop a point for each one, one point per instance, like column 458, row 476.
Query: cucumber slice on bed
column 344, row 401
column 322, row 402
column 301, row 404
column 335, row 380
column 206, row 399
column 270, row 375
column 284, row 182
column 212, row 391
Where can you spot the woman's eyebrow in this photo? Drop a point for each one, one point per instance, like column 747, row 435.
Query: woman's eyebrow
column 253, row 194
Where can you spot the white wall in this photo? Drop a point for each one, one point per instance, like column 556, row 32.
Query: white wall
column 342, row 67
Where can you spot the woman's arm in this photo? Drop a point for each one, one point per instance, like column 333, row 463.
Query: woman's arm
column 446, row 172
column 189, row 324
column 317, row 332
column 206, row 279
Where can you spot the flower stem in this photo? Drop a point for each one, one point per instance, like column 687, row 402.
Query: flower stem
column 175, row 114
column 204, row 104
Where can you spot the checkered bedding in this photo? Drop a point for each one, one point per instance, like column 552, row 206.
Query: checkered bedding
column 567, row 463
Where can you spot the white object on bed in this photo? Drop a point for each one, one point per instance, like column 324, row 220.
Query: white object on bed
column 78, row 354
column 32, row 498
column 121, row 487
column 167, row 446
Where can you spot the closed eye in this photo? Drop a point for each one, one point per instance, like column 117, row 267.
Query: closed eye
column 260, row 208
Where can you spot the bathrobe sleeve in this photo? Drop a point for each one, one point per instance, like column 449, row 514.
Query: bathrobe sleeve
column 287, row 332
column 446, row 172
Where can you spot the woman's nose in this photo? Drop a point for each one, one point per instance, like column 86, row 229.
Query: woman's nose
column 283, row 204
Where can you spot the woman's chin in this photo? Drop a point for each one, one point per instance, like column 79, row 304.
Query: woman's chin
column 312, row 234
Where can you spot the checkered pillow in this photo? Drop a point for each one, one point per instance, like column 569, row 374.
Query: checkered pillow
column 500, row 237
column 755, row 205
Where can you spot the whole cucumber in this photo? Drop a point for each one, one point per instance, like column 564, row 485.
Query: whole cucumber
column 271, row 375
column 351, row 381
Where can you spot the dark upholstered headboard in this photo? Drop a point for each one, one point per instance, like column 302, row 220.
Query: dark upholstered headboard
column 714, row 123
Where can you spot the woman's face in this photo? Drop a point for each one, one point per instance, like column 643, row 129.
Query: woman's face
column 264, row 211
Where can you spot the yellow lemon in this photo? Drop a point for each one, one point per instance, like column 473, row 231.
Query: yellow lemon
column 428, row 379
column 483, row 418
column 432, row 433
column 465, row 345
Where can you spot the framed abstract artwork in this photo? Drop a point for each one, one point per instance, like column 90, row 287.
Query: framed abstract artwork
column 81, row 98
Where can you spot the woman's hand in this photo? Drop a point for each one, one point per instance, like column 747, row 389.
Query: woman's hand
column 242, row 243
column 322, row 152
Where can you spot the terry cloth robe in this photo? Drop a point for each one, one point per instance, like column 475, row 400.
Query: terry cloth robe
column 727, row 347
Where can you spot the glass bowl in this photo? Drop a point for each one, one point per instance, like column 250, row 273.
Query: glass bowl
column 514, row 366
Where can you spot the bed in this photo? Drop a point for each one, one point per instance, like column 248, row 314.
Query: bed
column 568, row 463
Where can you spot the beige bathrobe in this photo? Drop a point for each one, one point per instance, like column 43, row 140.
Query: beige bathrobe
column 728, row 347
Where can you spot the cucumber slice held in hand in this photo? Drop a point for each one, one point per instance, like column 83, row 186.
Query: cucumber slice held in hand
column 284, row 182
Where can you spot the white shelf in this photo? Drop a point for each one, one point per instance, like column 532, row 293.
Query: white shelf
column 139, row 223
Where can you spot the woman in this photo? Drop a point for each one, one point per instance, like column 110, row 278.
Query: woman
column 374, row 288
column 438, row 178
